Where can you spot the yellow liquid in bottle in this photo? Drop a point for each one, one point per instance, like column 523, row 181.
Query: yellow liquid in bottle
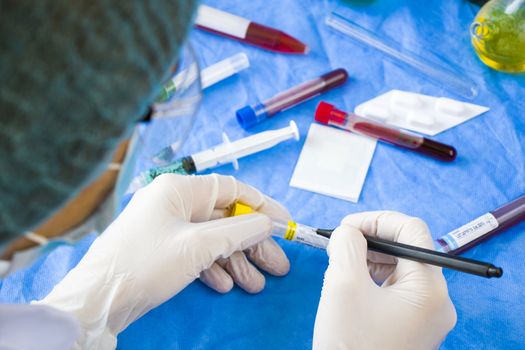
column 498, row 35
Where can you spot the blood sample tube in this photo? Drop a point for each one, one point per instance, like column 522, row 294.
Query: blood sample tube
column 483, row 227
column 251, row 115
column 328, row 114
column 242, row 29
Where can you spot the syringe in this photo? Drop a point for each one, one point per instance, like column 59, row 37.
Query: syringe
column 319, row 238
column 209, row 75
column 227, row 152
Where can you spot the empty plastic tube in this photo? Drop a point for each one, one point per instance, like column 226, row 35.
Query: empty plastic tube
column 453, row 80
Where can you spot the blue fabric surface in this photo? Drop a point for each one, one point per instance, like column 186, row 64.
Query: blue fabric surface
column 36, row 281
column 489, row 172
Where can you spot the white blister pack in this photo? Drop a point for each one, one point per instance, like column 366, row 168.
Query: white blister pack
column 420, row 113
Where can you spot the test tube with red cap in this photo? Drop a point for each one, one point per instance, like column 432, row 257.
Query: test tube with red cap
column 251, row 115
column 328, row 114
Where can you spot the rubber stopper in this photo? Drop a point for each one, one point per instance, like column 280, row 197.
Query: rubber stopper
column 246, row 117
column 323, row 112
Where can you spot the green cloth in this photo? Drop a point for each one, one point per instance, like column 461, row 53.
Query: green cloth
column 74, row 77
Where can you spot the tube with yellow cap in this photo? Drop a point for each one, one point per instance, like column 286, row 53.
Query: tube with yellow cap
column 290, row 230
column 319, row 238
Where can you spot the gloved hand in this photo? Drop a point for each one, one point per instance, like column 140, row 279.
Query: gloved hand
column 171, row 232
column 409, row 309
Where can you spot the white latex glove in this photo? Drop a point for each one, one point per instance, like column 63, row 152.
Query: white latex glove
column 29, row 327
column 411, row 309
column 160, row 243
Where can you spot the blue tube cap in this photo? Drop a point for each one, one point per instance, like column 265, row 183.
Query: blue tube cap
column 247, row 117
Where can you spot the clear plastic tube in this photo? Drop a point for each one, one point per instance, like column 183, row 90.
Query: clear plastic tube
column 453, row 80
column 293, row 231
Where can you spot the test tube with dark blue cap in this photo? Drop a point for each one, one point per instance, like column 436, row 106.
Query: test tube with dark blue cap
column 251, row 115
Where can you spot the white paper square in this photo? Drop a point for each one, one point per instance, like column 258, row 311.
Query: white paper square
column 333, row 162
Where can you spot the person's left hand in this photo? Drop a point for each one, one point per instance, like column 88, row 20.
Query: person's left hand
column 172, row 232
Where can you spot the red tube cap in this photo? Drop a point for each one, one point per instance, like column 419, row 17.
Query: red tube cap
column 323, row 113
column 326, row 112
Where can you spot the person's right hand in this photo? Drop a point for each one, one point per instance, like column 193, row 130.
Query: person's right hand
column 373, row 301
column 172, row 232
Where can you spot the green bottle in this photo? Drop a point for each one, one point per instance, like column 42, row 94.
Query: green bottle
column 498, row 35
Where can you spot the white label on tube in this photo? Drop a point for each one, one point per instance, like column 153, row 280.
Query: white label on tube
column 222, row 22
column 471, row 231
column 311, row 239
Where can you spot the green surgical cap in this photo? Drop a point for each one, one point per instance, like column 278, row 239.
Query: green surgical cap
column 74, row 77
